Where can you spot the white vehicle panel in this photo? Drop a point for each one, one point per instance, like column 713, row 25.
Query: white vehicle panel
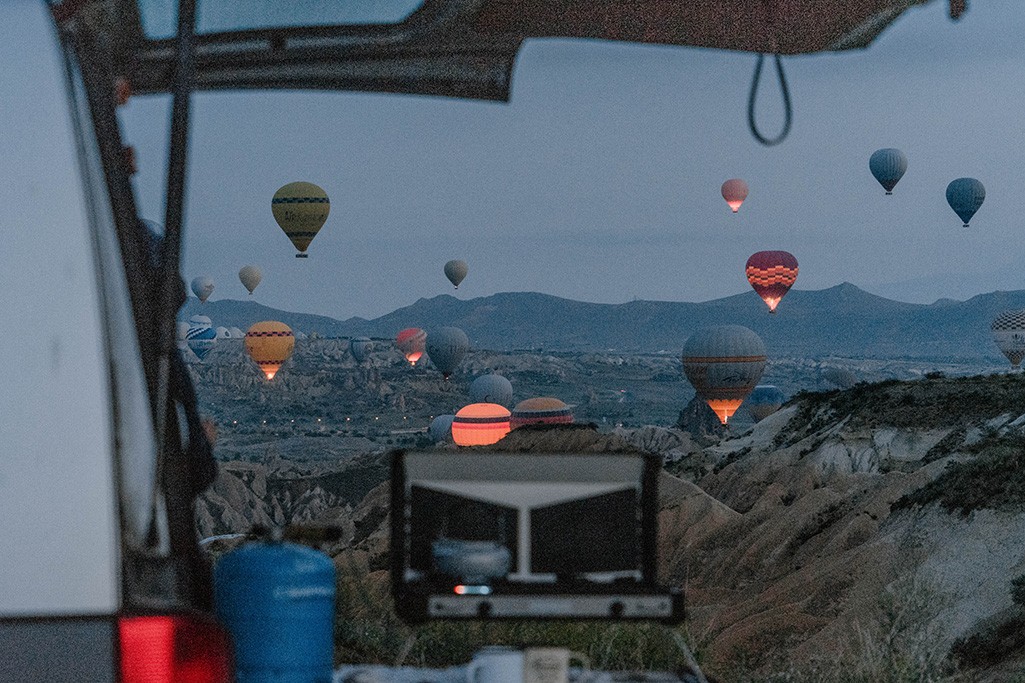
column 58, row 501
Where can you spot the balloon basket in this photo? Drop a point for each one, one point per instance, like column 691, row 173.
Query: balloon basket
column 302, row 255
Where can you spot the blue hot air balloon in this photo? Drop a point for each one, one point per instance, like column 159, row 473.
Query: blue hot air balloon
column 201, row 336
column 764, row 401
column 965, row 196
column 888, row 166
column 440, row 430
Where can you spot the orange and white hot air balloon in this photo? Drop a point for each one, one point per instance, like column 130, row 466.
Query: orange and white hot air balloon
column 270, row 343
column 411, row 342
column 724, row 364
column 734, row 191
column 480, row 424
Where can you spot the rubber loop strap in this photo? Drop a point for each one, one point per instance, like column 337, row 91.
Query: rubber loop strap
column 787, row 107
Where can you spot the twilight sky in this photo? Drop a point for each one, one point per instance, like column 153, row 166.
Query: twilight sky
column 599, row 181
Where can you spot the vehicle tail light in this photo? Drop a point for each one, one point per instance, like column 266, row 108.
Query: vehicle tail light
column 173, row 649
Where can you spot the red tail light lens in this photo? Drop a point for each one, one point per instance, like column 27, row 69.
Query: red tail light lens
column 173, row 649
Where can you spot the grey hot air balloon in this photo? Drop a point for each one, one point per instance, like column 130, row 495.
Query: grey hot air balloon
column 446, row 346
column 203, row 287
column 223, row 333
column 965, row 196
column 841, row 378
column 360, row 348
column 1009, row 335
column 724, row 363
column 455, row 271
column 440, row 430
column 492, row 389
column 888, row 166
column 250, row 277
column 764, row 401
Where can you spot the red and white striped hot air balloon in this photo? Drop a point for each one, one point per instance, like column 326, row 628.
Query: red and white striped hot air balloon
column 412, row 342
column 771, row 274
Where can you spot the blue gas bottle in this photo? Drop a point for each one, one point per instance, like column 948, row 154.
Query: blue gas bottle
column 277, row 600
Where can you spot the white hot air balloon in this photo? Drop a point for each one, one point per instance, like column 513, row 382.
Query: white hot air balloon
column 250, row 277
column 455, row 271
column 492, row 389
column 203, row 287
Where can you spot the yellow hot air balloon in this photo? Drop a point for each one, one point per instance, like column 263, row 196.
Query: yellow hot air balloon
column 301, row 209
column 269, row 344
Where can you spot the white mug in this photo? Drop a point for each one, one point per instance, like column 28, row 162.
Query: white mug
column 549, row 664
column 496, row 664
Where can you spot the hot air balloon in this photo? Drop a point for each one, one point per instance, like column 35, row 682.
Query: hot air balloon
column 201, row 336
column 492, row 389
column 203, row 287
column 446, row 346
column 480, row 424
column 734, row 191
column 300, row 209
column 772, row 274
column 455, row 271
column 888, row 166
column 250, row 277
column 724, row 364
column 1009, row 335
column 269, row 344
column 440, row 430
column 411, row 342
column 542, row 410
column 841, row 378
column 236, row 333
column 182, row 339
column 223, row 333
column 965, row 196
column 360, row 348
column 764, row 401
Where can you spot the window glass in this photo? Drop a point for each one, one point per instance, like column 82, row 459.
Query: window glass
column 134, row 436
column 159, row 17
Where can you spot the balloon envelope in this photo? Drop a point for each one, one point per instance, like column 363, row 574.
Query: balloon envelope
column 734, row 191
column 250, row 277
column 360, row 348
column 771, row 274
column 480, row 424
column 269, row 344
column 411, row 342
column 764, row 401
column 300, row 209
column 888, row 166
column 841, row 378
column 455, row 271
column 446, row 346
column 541, row 410
column 440, row 430
column 201, row 336
column 492, row 389
column 965, row 196
column 1009, row 334
column 724, row 364
column 203, row 287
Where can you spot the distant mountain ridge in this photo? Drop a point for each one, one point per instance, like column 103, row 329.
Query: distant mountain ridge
column 842, row 320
